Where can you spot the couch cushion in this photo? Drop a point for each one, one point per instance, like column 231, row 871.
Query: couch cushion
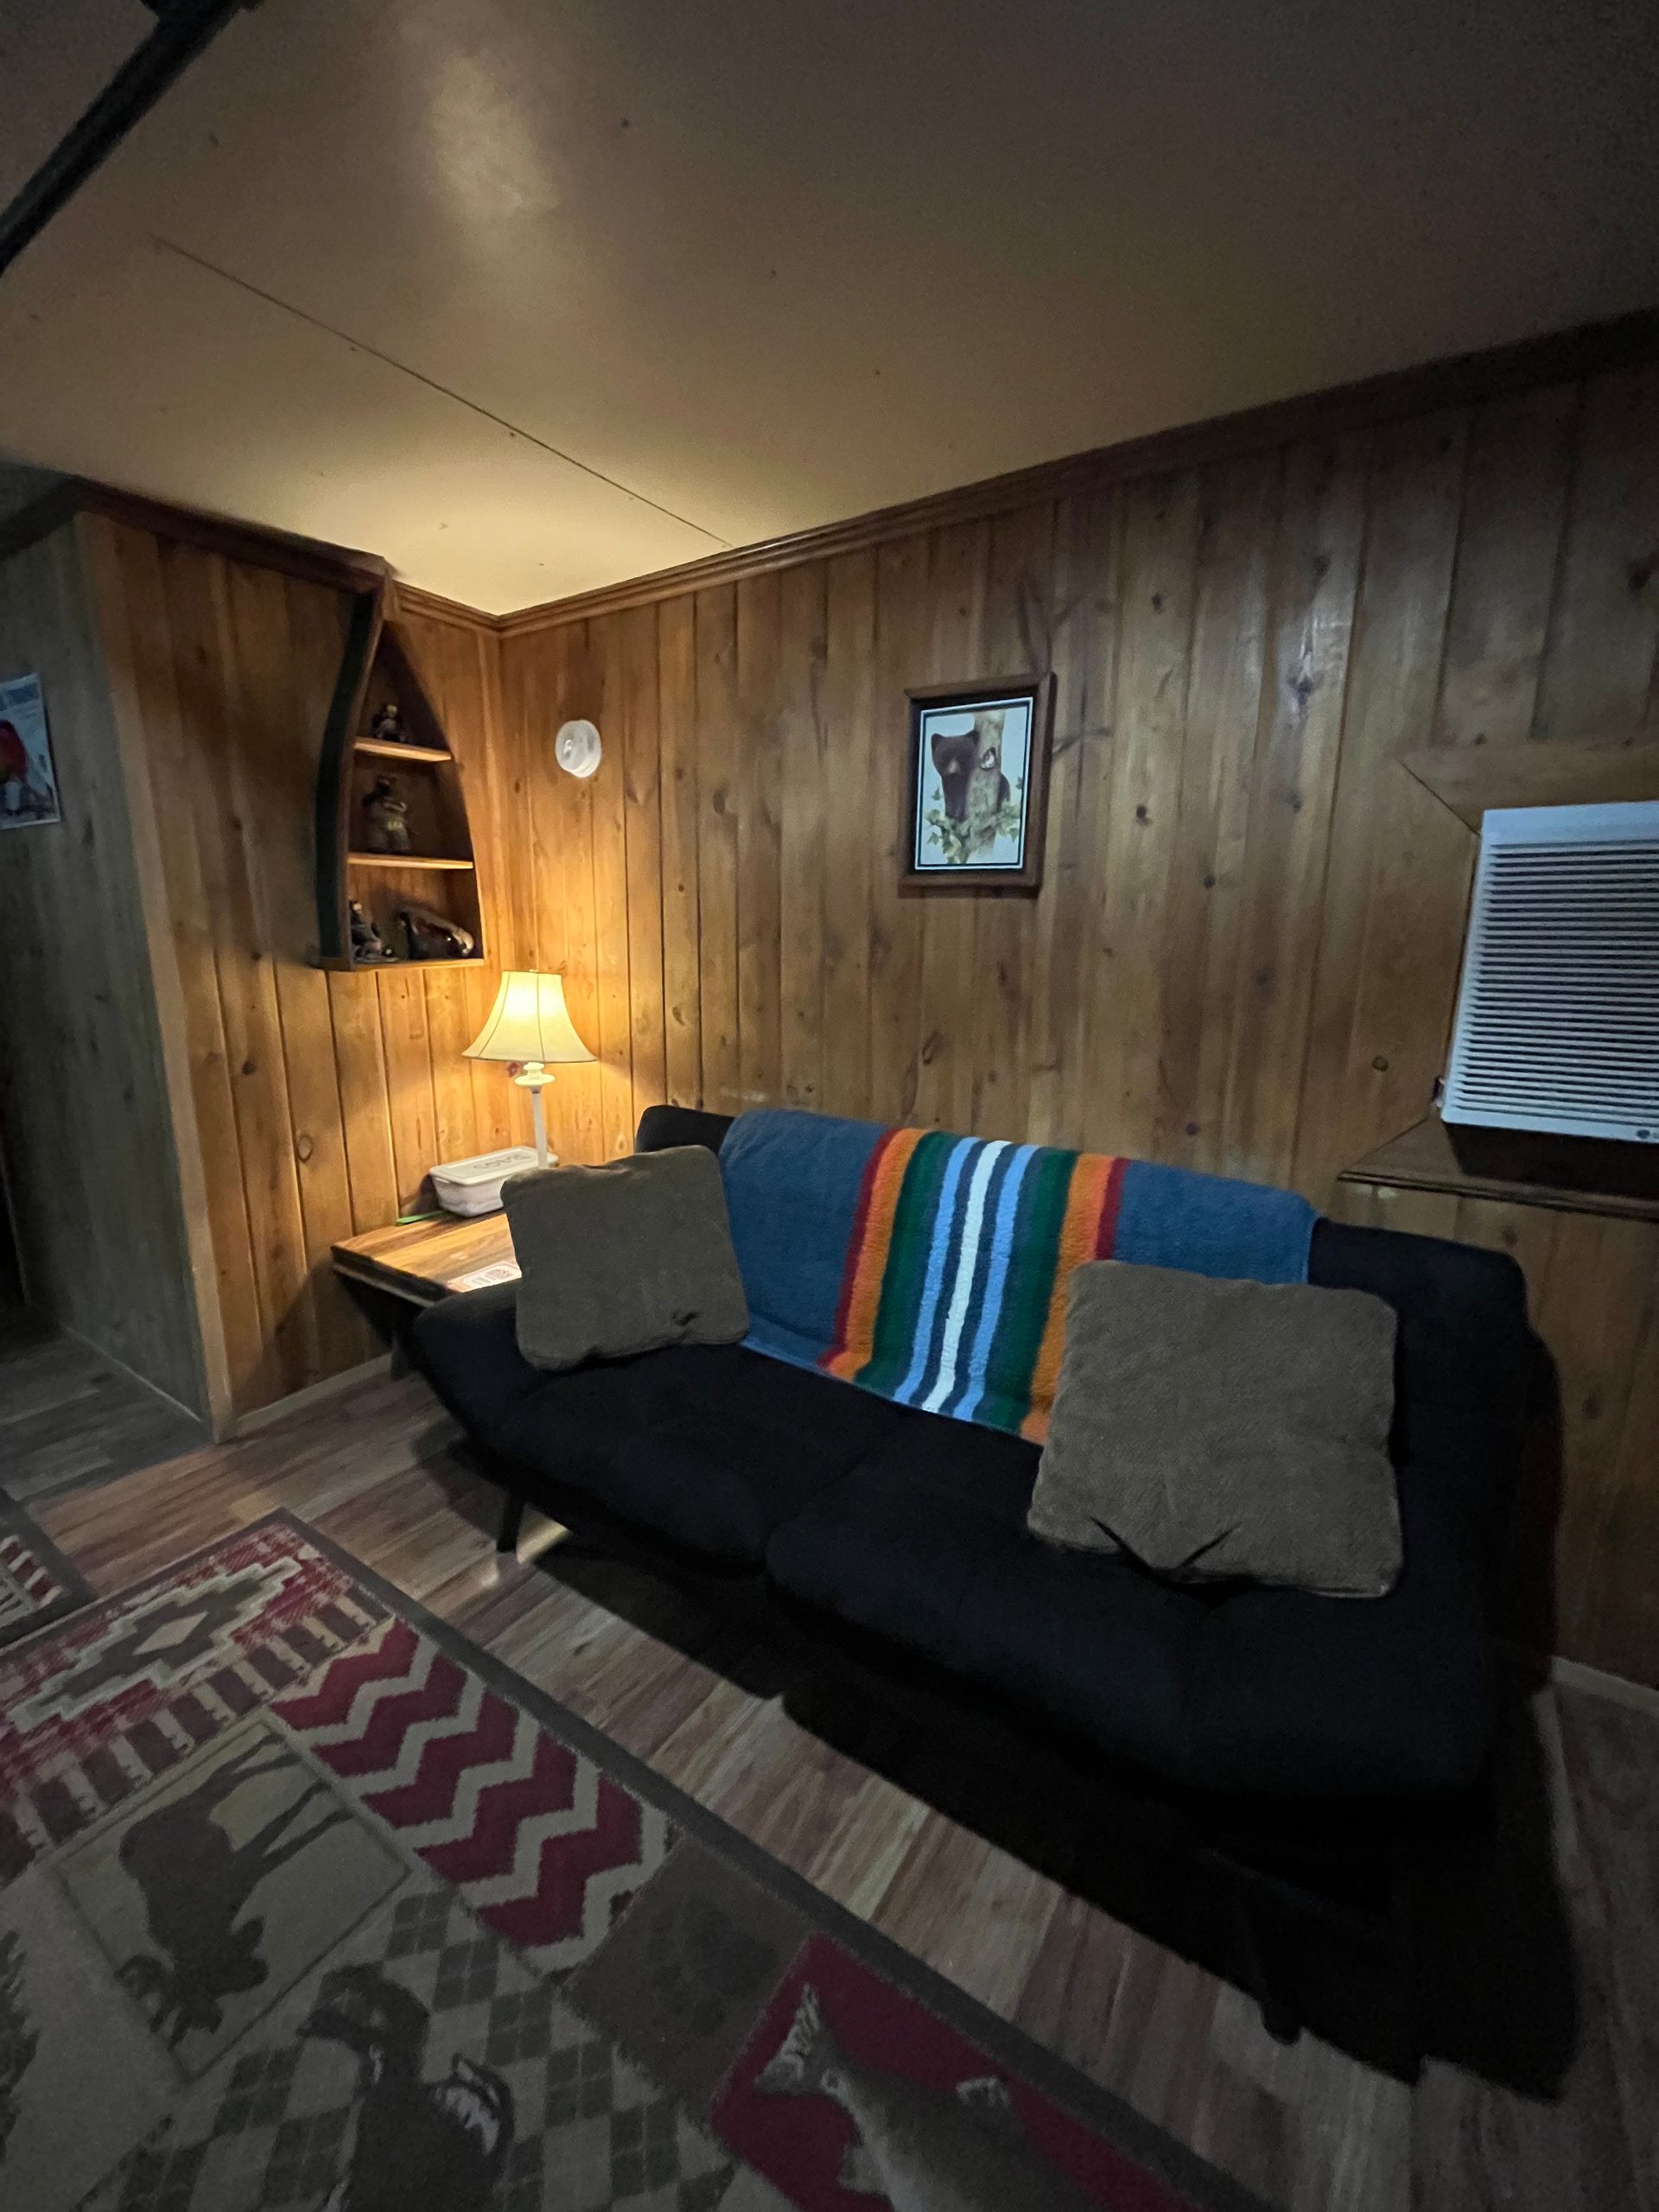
column 710, row 1445
column 926, row 1544
column 1274, row 1691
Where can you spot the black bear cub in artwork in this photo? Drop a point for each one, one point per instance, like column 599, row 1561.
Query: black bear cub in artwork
column 970, row 767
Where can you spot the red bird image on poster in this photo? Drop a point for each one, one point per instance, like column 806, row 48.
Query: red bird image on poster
column 28, row 789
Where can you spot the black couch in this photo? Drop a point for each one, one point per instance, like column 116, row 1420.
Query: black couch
column 902, row 1535
column 912, row 1527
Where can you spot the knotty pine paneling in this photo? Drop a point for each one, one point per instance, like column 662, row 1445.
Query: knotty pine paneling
column 84, row 1115
column 1245, row 952
column 1246, row 947
column 319, row 1101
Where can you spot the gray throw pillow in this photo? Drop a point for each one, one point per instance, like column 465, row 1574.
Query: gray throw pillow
column 624, row 1258
column 1221, row 1430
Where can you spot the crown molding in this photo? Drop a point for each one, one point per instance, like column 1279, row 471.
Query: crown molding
column 1496, row 373
column 56, row 505
column 433, row 607
column 310, row 560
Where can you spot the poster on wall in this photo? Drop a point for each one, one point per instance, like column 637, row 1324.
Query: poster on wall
column 29, row 787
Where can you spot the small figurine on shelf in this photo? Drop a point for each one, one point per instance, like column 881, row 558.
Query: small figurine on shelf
column 386, row 725
column 385, row 818
column 367, row 944
column 432, row 936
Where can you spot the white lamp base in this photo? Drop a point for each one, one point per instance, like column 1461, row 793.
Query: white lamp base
column 534, row 1077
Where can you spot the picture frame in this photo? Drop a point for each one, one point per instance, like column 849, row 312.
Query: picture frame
column 975, row 807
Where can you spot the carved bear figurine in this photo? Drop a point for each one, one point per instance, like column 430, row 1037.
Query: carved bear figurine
column 367, row 944
column 385, row 818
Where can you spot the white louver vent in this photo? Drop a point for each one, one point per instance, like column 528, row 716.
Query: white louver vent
column 1558, row 1016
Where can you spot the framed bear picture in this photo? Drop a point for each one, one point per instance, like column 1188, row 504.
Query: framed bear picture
column 976, row 795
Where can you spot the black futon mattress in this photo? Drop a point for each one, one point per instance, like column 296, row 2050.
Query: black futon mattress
column 913, row 1526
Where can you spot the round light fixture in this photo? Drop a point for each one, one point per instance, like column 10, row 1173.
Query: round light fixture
column 577, row 749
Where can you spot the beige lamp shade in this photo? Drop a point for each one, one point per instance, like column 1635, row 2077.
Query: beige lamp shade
column 529, row 1023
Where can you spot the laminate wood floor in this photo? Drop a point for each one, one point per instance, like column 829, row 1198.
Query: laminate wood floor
column 68, row 1415
column 1304, row 2125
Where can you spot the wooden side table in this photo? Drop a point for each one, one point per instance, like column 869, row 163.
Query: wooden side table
column 421, row 1261
column 392, row 1272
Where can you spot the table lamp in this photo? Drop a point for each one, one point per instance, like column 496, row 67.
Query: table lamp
column 529, row 1027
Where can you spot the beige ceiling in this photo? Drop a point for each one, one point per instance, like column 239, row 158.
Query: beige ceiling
column 532, row 294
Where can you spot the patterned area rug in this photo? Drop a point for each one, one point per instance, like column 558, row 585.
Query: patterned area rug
column 309, row 1904
column 37, row 1584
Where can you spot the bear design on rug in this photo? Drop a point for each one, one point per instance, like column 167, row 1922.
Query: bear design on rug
column 416, row 2142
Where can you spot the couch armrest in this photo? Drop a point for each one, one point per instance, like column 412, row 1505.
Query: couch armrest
column 1467, row 1366
column 663, row 1126
column 466, row 1346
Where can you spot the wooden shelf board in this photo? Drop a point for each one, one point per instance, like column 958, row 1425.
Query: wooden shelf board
column 464, row 960
column 1422, row 1159
column 405, row 859
column 370, row 967
column 386, row 749
column 1469, row 779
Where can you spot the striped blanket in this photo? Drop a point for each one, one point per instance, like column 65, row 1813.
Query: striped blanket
column 933, row 1269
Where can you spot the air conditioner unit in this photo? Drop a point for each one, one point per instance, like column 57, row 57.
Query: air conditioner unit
column 1558, row 1013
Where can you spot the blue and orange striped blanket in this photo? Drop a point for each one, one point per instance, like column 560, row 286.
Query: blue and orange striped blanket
column 933, row 1269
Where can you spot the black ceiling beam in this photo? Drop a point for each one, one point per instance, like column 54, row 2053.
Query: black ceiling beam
column 183, row 28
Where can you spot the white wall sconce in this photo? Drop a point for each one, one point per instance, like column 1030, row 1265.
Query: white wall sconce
column 577, row 749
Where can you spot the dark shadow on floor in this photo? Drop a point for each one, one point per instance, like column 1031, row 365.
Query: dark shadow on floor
column 1467, row 1956
column 1477, row 1968
column 723, row 1621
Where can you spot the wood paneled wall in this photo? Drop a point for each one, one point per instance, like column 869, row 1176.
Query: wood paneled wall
column 1583, row 1571
column 84, row 1111
column 1244, row 957
column 1246, row 949
column 1245, row 952
column 319, row 1101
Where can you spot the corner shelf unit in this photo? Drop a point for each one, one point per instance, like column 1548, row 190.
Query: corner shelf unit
column 440, row 874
